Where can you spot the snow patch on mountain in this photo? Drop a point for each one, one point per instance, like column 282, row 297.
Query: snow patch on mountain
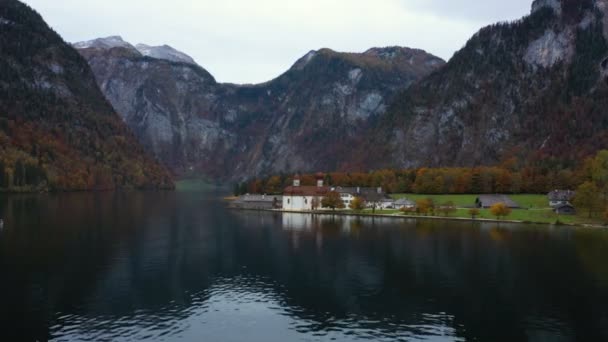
column 165, row 52
column 103, row 43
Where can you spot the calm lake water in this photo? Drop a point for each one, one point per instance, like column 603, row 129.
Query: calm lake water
column 181, row 267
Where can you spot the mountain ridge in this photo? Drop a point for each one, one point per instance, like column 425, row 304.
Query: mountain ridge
column 526, row 90
column 163, row 52
column 195, row 124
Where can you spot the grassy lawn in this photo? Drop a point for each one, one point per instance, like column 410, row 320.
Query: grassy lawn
column 531, row 201
column 538, row 204
column 537, row 216
column 467, row 200
column 381, row 212
column 459, row 200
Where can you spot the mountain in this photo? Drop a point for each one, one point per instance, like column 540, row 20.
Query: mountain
column 164, row 52
column 57, row 131
column 533, row 90
column 306, row 119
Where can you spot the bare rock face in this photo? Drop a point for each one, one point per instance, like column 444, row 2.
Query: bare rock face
column 550, row 49
column 534, row 88
column 307, row 119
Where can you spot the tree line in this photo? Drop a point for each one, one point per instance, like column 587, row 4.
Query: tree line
column 507, row 178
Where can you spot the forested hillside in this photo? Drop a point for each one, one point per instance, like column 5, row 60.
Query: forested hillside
column 533, row 90
column 57, row 131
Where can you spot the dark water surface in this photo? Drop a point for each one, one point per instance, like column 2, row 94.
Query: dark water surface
column 181, row 267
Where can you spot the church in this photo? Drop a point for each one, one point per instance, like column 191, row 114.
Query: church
column 304, row 198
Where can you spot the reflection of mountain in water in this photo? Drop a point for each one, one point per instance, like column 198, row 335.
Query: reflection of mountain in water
column 129, row 266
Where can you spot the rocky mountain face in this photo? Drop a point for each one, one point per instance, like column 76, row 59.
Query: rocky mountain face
column 531, row 89
column 307, row 119
column 57, row 131
column 164, row 52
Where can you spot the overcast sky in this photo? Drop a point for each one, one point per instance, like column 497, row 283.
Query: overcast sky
column 251, row 41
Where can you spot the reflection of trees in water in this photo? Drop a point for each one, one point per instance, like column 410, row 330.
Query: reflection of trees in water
column 485, row 276
column 592, row 250
column 115, row 256
column 108, row 254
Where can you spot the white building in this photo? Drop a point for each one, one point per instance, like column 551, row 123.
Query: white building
column 373, row 197
column 304, row 198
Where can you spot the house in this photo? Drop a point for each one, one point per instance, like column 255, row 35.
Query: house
column 386, row 203
column 565, row 209
column 304, row 198
column 257, row 202
column 560, row 197
column 347, row 194
column 404, row 203
column 373, row 197
column 487, row 201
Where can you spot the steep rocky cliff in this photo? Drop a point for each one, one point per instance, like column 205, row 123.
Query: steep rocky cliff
column 532, row 89
column 307, row 119
column 57, row 131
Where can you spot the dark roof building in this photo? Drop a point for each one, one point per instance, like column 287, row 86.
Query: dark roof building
column 368, row 194
column 565, row 209
column 318, row 191
column 257, row 202
column 487, row 201
column 561, row 195
column 404, row 203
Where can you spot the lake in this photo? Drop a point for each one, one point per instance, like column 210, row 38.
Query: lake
column 181, row 267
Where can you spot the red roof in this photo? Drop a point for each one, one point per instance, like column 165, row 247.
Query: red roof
column 306, row 191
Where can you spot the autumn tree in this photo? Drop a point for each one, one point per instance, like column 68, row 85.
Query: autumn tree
column 447, row 208
column 357, row 204
column 425, row 206
column 500, row 210
column 474, row 212
column 587, row 198
column 332, row 201
column 273, row 185
column 599, row 174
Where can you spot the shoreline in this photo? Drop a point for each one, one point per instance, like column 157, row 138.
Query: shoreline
column 398, row 216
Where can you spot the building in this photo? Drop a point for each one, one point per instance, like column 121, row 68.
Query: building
column 257, row 202
column 386, row 203
column 404, row 203
column 487, row 201
column 304, row 198
column 565, row 209
column 373, row 197
column 560, row 197
column 347, row 194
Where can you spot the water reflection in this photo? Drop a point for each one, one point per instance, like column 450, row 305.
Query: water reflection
column 152, row 266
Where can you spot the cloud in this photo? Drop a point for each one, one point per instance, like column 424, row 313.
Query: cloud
column 250, row 41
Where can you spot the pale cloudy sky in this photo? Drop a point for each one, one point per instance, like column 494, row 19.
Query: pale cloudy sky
column 251, row 41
